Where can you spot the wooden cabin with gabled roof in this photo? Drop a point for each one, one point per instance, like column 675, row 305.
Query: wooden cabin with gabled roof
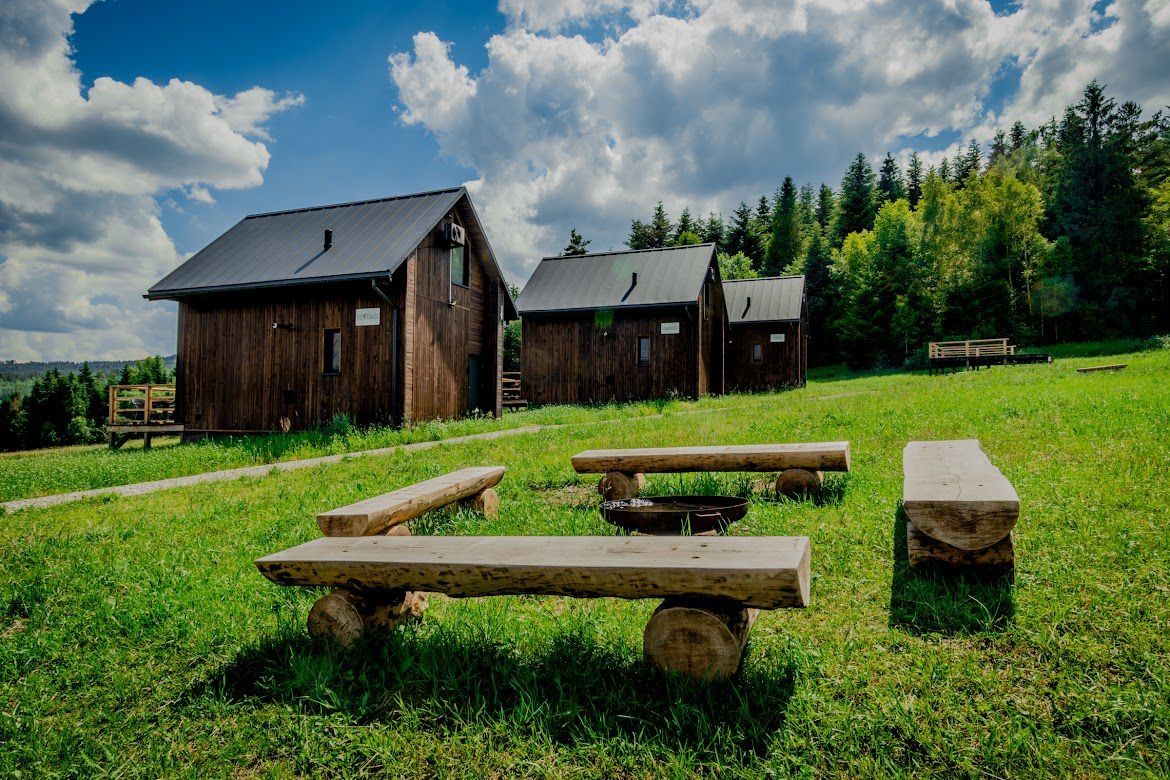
column 768, row 345
column 623, row 326
column 382, row 310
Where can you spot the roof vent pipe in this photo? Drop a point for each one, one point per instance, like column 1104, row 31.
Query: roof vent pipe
column 634, row 282
column 328, row 239
column 747, row 306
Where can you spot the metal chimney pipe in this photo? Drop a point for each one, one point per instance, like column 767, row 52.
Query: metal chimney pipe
column 634, row 283
column 328, row 239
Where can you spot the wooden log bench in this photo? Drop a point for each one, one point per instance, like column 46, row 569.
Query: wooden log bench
column 1094, row 369
column 961, row 509
column 711, row 586
column 800, row 466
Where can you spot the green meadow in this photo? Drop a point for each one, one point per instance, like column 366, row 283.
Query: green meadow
column 137, row 638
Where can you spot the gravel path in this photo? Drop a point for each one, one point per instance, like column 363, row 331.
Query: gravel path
column 139, row 488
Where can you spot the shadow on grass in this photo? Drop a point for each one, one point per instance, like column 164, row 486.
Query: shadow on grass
column 575, row 689
column 944, row 601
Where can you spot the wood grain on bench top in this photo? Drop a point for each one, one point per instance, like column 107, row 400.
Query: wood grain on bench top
column 758, row 571
column 953, row 493
column 380, row 513
column 821, row 456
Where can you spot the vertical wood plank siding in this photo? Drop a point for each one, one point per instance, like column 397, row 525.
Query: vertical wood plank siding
column 238, row 373
column 784, row 364
column 579, row 358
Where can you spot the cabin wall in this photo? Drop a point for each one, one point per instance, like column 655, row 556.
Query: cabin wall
column 713, row 330
column 237, row 373
column 452, row 322
column 784, row 364
column 588, row 358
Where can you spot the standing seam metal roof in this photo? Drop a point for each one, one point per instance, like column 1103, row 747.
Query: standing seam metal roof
column 773, row 299
column 671, row 275
column 279, row 248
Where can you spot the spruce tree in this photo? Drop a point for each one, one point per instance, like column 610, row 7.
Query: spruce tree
column 999, row 149
column 890, row 186
column 577, row 245
column 739, row 232
column 944, row 170
column 785, row 245
column 826, row 200
column 1019, row 136
column 806, row 207
column 714, row 231
column 660, row 231
column 856, row 206
column 821, row 297
column 686, row 225
column 914, row 180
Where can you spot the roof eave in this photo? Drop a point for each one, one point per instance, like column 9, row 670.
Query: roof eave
column 191, row 292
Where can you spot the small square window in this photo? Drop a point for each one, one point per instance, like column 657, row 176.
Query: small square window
column 643, row 350
column 332, row 362
column 460, row 271
column 757, row 353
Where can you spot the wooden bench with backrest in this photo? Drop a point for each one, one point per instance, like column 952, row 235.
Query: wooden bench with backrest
column 961, row 509
column 800, row 465
column 712, row 587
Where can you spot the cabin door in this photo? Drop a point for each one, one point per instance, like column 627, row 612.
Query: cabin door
column 473, row 382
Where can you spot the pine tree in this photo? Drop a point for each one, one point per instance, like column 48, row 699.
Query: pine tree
column 890, row 186
column 967, row 162
column 821, row 297
column 686, row 225
column 914, row 180
column 785, row 245
column 856, row 206
column 999, row 149
column 660, row 229
column 806, row 207
column 577, row 245
column 826, row 200
column 763, row 209
column 1019, row 136
column 714, row 231
column 944, row 170
column 639, row 235
column 739, row 232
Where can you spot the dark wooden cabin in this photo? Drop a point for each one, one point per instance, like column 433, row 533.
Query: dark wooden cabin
column 623, row 326
column 383, row 310
column 768, row 347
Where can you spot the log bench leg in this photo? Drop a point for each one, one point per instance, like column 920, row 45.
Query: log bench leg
column 795, row 483
column 487, row 502
column 616, row 485
column 345, row 616
column 703, row 640
column 924, row 551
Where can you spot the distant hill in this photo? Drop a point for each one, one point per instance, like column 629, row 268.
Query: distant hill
column 15, row 371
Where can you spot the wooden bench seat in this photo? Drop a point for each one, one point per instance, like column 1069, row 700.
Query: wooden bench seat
column 711, row 587
column 955, row 496
column 800, row 465
column 379, row 514
column 764, row 572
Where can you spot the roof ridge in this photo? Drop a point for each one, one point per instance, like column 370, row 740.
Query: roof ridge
column 765, row 278
column 625, row 251
column 354, row 203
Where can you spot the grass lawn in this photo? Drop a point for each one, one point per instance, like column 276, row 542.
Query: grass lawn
column 137, row 638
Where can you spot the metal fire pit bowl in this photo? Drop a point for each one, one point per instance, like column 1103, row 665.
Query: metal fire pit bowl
column 671, row 515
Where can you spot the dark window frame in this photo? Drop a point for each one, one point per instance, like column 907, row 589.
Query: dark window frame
column 757, row 353
column 330, row 348
column 465, row 281
column 644, row 362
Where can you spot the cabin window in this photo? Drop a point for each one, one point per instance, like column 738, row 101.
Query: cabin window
column 643, row 350
column 757, row 353
column 460, row 272
column 332, row 362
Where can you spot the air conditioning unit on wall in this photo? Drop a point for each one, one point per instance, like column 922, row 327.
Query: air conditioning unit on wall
column 455, row 234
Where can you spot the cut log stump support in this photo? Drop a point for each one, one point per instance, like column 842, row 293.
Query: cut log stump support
column 486, row 502
column 344, row 616
column 703, row 640
column 795, row 483
column 926, row 552
column 617, row 485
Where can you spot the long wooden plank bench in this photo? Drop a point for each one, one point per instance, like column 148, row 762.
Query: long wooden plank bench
column 379, row 514
column 800, row 465
column 711, row 586
column 961, row 508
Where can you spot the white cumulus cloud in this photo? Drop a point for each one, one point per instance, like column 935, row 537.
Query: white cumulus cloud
column 80, row 236
column 588, row 111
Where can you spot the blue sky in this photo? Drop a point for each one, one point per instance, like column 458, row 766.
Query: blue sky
column 133, row 132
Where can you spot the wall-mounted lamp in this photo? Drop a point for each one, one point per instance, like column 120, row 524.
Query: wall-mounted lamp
column 282, row 326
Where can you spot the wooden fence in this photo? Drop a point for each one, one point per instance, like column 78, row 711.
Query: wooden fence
column 513, row 397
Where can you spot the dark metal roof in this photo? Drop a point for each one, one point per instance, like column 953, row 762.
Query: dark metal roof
column 370, row 238
column 772, row 299
column 672, row 275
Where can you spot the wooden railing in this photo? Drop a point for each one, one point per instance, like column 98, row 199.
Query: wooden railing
column 971, row 348
column 513, row 398
column 142, row 405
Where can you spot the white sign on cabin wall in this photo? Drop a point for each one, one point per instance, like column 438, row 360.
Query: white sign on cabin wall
column 777, row 338
column 669, row 329
column 368, row 317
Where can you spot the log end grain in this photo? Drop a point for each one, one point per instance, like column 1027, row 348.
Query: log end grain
column 795, row 483
column 487, row 502
column 702, row 641
column 344, row 617
column 617, row 485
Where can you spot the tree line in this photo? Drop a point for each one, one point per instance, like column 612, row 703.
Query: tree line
column 1055, row 233
column 70, row 408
